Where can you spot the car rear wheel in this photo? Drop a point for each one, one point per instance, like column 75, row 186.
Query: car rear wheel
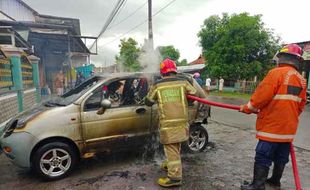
column 54, row 160
column 198, row 139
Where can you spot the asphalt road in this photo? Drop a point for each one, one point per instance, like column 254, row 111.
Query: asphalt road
column 224, row 165
column 227, row 161
column 244, row 121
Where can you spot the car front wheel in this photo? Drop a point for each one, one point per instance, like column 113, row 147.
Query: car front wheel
column 198, row 139
column 54, row 160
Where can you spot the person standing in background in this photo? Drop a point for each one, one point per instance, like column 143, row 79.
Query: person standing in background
column 80, row 78
column 59, row 83
column 208, row 84
column 221, row 85
column 198, row 79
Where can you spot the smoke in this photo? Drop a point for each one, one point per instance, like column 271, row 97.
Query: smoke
column 149, row 58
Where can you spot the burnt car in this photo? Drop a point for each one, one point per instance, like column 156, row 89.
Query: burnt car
column 53, row 137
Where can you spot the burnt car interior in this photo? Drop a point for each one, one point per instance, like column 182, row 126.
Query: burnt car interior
column 121, row 92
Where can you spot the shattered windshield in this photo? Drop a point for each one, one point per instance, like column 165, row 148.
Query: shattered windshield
column 72, row 95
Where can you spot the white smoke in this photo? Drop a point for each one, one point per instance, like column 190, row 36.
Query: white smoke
column 149, row 58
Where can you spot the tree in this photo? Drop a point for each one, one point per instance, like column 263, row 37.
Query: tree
column 237, row 46
column 169, row 52
column 128, row 56
column 182, row 63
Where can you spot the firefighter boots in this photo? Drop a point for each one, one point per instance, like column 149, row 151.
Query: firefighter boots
column 168, row 182
column 259, row 179
column 277, row 172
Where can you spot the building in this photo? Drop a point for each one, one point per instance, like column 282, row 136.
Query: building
column 34, row 48
column 109, row 69
column 197, row 65
column 200, row 60
column 57, row 41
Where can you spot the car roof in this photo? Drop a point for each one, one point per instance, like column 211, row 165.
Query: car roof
column 123, row 74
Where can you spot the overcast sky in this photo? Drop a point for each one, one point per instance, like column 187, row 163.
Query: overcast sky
column 176, row 25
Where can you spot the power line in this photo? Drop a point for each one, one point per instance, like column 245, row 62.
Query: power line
column 130, row 15
column 168, row 4
column 114, row 12
column 118, row 12
column 132, row 29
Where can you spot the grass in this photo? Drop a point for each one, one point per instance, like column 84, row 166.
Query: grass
column 231, row 94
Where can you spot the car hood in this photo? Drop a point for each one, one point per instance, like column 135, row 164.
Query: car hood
column 28, row 115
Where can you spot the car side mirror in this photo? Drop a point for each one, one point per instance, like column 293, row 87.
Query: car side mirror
column 105, row 103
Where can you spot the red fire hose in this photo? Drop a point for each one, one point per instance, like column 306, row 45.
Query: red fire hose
column 234, row 107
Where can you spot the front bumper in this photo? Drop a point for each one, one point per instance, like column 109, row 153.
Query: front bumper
column 21, row 144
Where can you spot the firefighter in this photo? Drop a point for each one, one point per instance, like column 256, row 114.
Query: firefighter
column 279, row 100
column 170, row 94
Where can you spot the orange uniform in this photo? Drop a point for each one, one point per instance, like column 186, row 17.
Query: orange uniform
column 280, row 99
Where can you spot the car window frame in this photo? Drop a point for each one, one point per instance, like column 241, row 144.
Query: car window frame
column 149, row 83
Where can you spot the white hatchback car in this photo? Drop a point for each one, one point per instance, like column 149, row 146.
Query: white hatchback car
column 51, row 138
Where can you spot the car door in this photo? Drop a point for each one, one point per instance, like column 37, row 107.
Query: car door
column 119, row 126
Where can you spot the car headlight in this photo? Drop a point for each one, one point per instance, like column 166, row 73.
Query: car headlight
column 21, row 123
column 10, row 127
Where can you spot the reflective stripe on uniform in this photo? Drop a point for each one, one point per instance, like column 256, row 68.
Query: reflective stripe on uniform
column 287, row 97
column 275, row 136
column 251, row 107
column 175, row 162
column 176, row 128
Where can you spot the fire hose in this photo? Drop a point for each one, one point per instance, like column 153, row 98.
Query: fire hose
column 234, row 107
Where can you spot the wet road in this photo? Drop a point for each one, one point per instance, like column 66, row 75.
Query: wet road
column 244, row 121
column 227, row 161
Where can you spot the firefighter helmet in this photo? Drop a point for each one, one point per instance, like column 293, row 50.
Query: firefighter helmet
column 168, row 66
column 292, row 49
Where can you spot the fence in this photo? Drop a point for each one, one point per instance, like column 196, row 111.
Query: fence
column 6, row 78
column 240, row 86
column 19, row 84
column 245, row 86
column 27, row 75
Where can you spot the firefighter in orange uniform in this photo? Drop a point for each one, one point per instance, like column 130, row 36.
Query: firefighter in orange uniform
column 279, row 100
column 170, row 94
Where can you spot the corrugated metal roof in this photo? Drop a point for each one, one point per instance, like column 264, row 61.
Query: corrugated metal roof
column 191, row 68
column 18, row 10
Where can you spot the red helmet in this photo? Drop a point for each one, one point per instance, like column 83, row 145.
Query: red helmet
column 168, row 66
column 292, row 49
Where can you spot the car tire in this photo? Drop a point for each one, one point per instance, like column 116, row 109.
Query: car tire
column 54, row 160
column 198, row 139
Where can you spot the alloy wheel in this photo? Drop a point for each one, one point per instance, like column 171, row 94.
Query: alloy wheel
column 197, row 140
column 55, row 162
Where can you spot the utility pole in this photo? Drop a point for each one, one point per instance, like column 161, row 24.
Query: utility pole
column 150, row 24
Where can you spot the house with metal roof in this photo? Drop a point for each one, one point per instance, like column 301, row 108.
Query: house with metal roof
column 57, row 41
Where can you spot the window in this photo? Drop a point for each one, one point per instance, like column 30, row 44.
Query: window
column 93, row 102
column 123, row 92
column 135, row 89
column 5, row 39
